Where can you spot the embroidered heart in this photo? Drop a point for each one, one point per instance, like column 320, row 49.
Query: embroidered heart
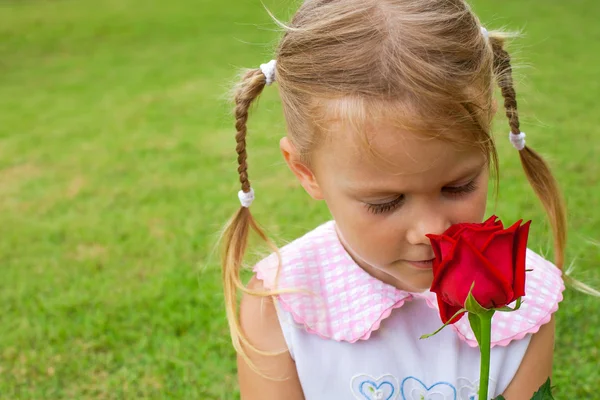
column 365, row 387
column 414, row 389
column 467, row 390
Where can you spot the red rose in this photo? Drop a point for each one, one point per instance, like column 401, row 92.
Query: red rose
column 488, row 255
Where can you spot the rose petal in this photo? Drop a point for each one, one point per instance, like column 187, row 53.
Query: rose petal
column 442, row 246
column 493, row 221
column 520, row 252
column 444, row 250
column 435, row 245
column 447, row 311
column 512, row 229
column 468, row 266
column 498, row 250
column 455, row 229
column 479, row 237
column 439, row 270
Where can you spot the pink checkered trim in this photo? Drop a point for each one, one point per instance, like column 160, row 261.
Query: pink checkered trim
column 336, row 299
column 543, row 291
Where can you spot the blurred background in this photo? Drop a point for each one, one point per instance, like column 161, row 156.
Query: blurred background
column 118, row 171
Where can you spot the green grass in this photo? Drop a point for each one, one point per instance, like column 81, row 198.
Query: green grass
column 117, row 171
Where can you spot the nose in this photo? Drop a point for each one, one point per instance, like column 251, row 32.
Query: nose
column 427, row 222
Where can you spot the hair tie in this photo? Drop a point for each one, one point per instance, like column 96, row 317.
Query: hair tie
column 268, row 71
column 485, row 33
column 517, row 140
column 246, row 198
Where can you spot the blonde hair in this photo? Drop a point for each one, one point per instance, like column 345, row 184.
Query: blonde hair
column 425, row 60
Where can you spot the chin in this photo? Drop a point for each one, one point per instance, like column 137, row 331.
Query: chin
column 417, row 284
column 424, row 284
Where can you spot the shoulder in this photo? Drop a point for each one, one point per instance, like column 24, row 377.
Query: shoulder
column 267, row 370
column 536, row 366
column 541, row 265
column 259, row 320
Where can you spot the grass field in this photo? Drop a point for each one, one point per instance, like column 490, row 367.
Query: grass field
column 117, row 171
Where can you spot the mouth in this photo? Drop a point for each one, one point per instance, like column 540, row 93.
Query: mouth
column 422, row 264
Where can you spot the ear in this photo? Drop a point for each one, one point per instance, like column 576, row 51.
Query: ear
column 303, row 173
column 494, row 106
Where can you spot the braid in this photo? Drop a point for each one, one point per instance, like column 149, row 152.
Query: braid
column 250, row 88
column 235, row 235
column 503, row 70
column 536, row 169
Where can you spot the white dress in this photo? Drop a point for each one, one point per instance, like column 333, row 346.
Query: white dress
column 355, row 337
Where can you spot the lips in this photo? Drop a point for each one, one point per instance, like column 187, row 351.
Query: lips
column 422, row 263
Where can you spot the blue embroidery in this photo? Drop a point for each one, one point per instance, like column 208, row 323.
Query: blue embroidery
column 375, row 386
column 438, row 384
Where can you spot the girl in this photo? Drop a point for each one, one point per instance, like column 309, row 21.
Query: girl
column 388, row 106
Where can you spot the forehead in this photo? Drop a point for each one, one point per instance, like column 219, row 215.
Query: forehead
column 383, row 154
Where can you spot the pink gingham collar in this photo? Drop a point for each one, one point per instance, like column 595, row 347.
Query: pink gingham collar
column 336, row 299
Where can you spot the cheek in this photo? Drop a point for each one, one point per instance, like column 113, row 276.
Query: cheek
column 374, row 240
column 473, row 208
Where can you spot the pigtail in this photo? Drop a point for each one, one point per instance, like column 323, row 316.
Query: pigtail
column 235, row 235
column 536, row 169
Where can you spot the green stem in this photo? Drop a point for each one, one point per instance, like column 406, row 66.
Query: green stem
column 484, row 347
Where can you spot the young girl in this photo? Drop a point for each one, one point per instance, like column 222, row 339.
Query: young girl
column 388, row 105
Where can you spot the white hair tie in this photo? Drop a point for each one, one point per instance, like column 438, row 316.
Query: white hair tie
column 485, row 33
column 518, row 141
column 246, row 198
column 268, row 71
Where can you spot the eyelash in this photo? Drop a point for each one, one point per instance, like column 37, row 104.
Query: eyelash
column 455, row 191
column 385, row 207
column 460, row 190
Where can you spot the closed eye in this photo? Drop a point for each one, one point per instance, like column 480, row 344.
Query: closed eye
column 385, row 207
column 452, row 191
column 460, row 190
